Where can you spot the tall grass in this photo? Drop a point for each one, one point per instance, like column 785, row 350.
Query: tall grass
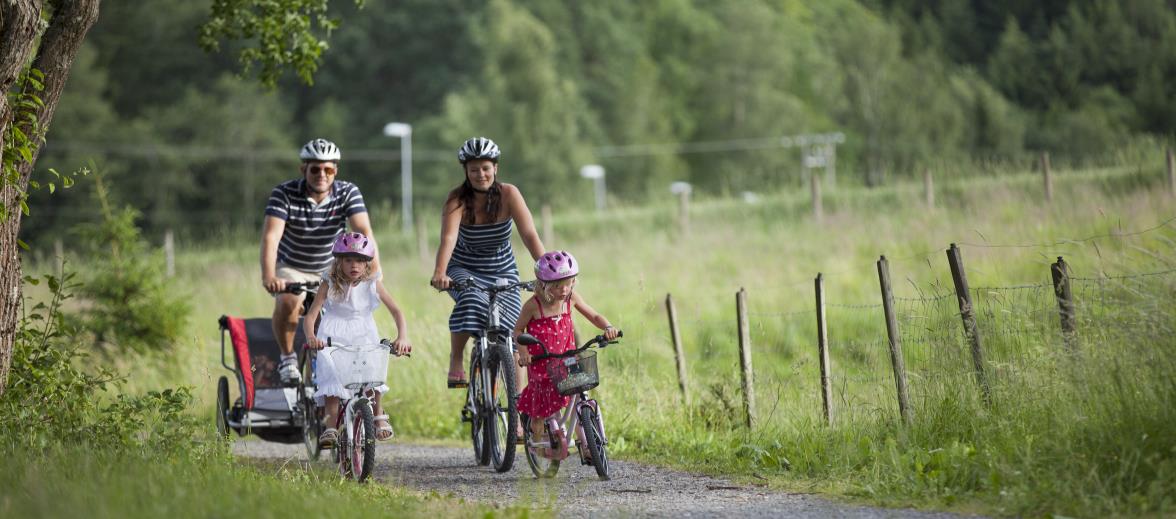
column 1078, row 433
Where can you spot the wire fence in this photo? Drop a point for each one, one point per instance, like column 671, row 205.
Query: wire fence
column 1030, row 339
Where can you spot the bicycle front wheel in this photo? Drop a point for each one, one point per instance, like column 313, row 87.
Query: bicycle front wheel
column 311, row 420
column 592, row 425
column 475, row 402
column 363, row 441
column 504, row 412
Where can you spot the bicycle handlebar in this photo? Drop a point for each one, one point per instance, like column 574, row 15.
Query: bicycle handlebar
column 298, row 288
column 599, row 341
column 468, row 283
column 387, row 343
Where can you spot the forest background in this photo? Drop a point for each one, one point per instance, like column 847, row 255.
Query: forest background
column 961, row 87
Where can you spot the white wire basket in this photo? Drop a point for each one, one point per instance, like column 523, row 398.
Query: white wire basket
column 360, row 366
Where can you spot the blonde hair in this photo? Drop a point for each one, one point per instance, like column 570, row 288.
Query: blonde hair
column 339, row 281
column 542, row 289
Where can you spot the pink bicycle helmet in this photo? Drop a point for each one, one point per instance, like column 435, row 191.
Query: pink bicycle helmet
column 556, row 265
column 354, row 244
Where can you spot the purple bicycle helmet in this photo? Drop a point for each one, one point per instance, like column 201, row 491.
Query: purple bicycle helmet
column 354, row 244
column 556, row 265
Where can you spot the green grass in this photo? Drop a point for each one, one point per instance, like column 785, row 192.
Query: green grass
column 1089, row 434
column 73, row 481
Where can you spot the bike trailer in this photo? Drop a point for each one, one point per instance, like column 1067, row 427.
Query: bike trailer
column 264, row 407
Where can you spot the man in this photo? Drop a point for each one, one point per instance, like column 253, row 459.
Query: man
column 302, row 219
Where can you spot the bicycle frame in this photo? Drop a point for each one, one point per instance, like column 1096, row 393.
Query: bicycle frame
column 569, row 420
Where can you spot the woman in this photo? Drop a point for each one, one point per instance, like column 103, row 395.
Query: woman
column 475, row 243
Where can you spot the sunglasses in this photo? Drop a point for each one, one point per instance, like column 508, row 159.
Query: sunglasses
column 325, row 170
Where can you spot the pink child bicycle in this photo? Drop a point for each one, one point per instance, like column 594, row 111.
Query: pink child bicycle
column 573, row 375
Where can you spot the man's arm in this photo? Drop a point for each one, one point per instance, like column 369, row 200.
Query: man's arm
column 361, row 223
column 271, row 234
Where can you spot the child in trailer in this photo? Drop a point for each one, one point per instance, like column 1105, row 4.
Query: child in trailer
column 348, row 296
column 548, row 317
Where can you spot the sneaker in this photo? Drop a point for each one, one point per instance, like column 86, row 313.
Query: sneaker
column 288, row 371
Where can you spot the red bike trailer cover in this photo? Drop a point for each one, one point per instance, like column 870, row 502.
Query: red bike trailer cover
column 240, row 338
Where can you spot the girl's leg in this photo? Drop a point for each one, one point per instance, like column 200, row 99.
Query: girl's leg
column 383, row 425
column 332, row 407
column 457, row 344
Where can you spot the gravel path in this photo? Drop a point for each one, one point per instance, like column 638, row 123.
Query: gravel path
column 635, row 490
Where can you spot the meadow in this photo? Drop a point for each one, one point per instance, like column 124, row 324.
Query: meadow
column 1085, row 430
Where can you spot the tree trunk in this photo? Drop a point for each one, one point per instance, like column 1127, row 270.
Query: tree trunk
column 67, row 27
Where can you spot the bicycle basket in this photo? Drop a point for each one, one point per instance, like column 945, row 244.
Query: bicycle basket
column 572, row 375
column 360, row 366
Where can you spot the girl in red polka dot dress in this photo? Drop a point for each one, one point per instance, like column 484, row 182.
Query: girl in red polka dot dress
column 548, row 317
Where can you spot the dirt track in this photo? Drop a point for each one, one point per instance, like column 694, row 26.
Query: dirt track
column 635, row 490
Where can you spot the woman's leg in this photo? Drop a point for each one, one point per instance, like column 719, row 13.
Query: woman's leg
column 457, row 344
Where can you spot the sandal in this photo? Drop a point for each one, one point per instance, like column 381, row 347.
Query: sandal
column 457, row 380
column 328, row 438
column 386, row 428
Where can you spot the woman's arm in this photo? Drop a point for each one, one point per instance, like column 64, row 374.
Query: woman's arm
column 402, row 344
column 312, row 315
column 450, row 221
column 593, row 316
column 522, row 217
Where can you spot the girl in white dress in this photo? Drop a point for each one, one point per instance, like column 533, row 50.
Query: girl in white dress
column 348, row 295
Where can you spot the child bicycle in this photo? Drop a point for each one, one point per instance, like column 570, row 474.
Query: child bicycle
column 573, row 375
column 492, row 394
column 361, row 369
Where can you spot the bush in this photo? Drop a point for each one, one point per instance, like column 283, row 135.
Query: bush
column 50, row 400
column 131, row 305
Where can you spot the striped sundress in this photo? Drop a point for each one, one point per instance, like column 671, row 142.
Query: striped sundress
column 483, row 252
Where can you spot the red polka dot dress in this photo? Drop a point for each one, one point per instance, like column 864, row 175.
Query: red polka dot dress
column 540, row 399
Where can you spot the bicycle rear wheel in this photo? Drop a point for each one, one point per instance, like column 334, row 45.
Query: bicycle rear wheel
column 363, row 441
column 540, row 466
column 590, row 422
column 222, row 407
column 311, row 421
column 503, row 409
column 475, row 400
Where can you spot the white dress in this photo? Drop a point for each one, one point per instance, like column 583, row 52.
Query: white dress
column 346, row 320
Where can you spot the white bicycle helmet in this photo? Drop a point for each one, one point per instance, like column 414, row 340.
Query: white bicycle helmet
column 320, row 150
column 478, row 148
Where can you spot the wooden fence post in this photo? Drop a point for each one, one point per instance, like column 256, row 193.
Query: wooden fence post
column 1061, row 282
column 892, row 333
column 58, row 258
column 679, row 357
column 818, row 211
column 1046, row 176
column 928, row 189
column 1171, row 173
column 548, row 228
column 823, row 349
column 422, row 233
column 968, row 315
column 169, row 252
column 745, row 357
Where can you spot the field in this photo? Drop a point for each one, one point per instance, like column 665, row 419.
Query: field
column 1084, row 426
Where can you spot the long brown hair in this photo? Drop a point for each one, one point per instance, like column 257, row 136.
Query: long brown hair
column 465, row 194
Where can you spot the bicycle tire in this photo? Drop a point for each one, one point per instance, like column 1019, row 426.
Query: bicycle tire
column 594, row 441
column 542, row 467
column 474, row 399
column 312, row 424
column 222, row 407
column 504, row 409
column 363, row 442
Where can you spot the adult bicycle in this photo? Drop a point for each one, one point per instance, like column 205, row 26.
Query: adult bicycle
column 573, row 374
column 492, row 395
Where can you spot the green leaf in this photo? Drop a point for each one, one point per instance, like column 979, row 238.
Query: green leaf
column 20, row 243
column 52, row 188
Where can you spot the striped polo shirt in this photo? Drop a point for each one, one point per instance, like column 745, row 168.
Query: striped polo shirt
column 311, row 228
